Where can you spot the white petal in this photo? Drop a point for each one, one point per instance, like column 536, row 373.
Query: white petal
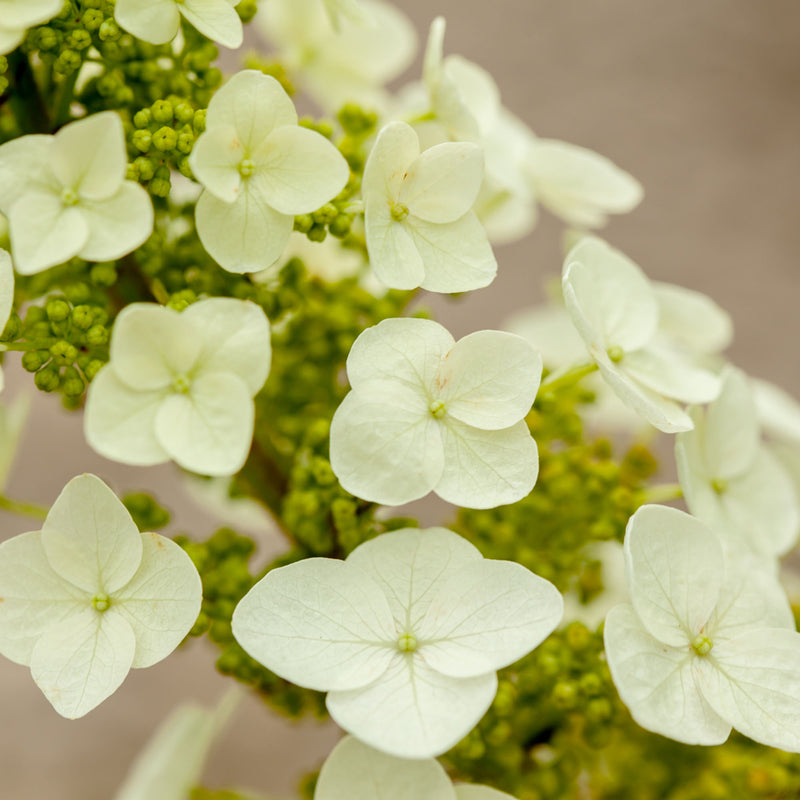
column 209, row 429
column 675, row 569
column 579, row 185
column 466, row 791
column 6, row 287
column 90, row 538
column 10, row 38
column 154, row 21
column 610, row 301
column 216, row 19
column 119, row 422
column 152, row 345
column 457, row 255
column 395, row 149
column 408, row 565
column 320, row 623
column 484, row 469
column 386, row 446
column 44, row 232
column 443, row 183
column 254, row 103
column 753, row 682
column 215, row 160
column 393, row 254
column 405, row 350
column 486, row 617
column 88, row 156
column 778, row 411
column 117, row 226
column 489, row 379
column 29, row 13
column 236, row 338
column 474, row 95
column 412, row 711
column 692, row 319
column 245, row 236
column 83, row 660
column 34, row 597
column 657, row 684
column 298, row 170
column 24, row 166
column 354, row 771
column 161, row 601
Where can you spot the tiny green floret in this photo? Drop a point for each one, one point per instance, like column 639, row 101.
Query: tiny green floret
column 246, row 167
column 399, row 211
column 616, row 353
column 719, row 485
column 437, row 408
column 181, row 384
column 407, row 643
column 101, row 602
column 702, row 645
column 69, row 197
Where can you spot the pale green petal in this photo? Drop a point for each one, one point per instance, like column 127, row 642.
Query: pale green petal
column 778, row 411
column 24, row 167
column 466, row 791
column 6, row 287
column 216, row 19
column 395, row 149
column 153, row 21
column 90, row 538
column 692, row 319
column 393, row 255
column 215, row 160
column 320, row 623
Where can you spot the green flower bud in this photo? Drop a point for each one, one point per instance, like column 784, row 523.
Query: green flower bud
column 67, row 62
column 92, row 19
column 303, row 223
column 72, row 384
column 34, row 360
column 63, row 352
column 79, row 39
column 47, row 380
column 92, row 368
column 146, row 167
column 97, row 335
column 82, row 317
column 162, row 111
column 325, row 215
column 186, row 142
column 317, row 233
column 141, row 119
column 103, row 274
column 142, row 140
column 47, row 39
column 199, row 121
column 109, row 31
column 340, row 227
column 12, row 329
column 184, row 113
column 57, row 310
column 165, row 139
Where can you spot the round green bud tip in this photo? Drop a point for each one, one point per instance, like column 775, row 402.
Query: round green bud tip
column 437, row 408
column 616, row 353
column 181, row 384
column 101, row 602
column 69, row 197
column 407, row 643
column 719, row 485
column 399, row 212
column 702, row 645
column 246, row 167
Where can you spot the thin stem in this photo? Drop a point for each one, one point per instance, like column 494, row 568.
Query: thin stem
column 25, row 99
column 663, row 492
column 23, row 509
column 24, row 347
column 65, row 98
column 558, row 380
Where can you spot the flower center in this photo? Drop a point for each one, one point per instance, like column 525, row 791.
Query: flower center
column 702, row 645
column 181, row 384
column 399, row 211
column 719, row 485
column 69, row 197
column 246, row 167
column 616, row 353
column 407, row 643
column 437, row 408
column 101, row 602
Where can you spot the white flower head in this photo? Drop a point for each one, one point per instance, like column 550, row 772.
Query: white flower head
column 616, row 311
column 16, row 16
column 778, row 412
column 405, row 635
column 159, row 21
column 427, row 413
column 180, row 385
column 340, row 51
column 730, row 480
column 355, row 771
column 419, row 226
column 66, row 195
column 88, row 597
column 259, row 169
column 703, row 647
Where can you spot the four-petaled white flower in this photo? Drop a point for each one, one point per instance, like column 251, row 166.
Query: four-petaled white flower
column 88, row 597
column 180, row 385
column 16, row 16
column 405, row 635
column 419, row 226
column 259, row 169
column 66, row 195
column 355, row 771
column 704, row 647
column 427, row 413
column 158, row 21
column 730, row 479
column 616, row 312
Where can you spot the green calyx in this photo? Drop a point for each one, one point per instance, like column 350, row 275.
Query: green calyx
column 702, row 645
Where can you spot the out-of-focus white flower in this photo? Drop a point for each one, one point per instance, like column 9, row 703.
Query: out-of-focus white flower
column 616, row 312
column 705, row 646
column 66, row 195
column 348, row 62
column 406, row 635
column 13, row 417
column 427, row 413
column 6, row 296
column 420, row 229
column 352, row 10
column 180, row 385
column 730, row 480
column 16, row 16
column 259, row 169
column 159, row 21
column 88, row 597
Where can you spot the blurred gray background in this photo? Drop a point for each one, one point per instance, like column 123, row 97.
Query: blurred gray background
column 699, row 101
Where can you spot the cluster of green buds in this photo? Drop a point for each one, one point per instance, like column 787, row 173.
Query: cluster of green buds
column 3, row 78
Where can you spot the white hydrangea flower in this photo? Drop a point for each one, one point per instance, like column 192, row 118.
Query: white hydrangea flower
column 340, row 59
column 355, row 771
column 89, row 597
column 16, row 16
column 427, row 413
column 419, row 226
column 616, row 312
column 703, row 647
column 730, row 480
column 405, row 635
column 159, row 21
column 259, row 169
column 66, row 195
column 180, row 385
column 6, row 296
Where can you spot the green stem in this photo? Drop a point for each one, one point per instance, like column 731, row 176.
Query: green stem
column 663, row 493
column 65, row 98
column 265, row 482
column 23, row 509
column 25, row 100
column 558, row 380
column 24, row 347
